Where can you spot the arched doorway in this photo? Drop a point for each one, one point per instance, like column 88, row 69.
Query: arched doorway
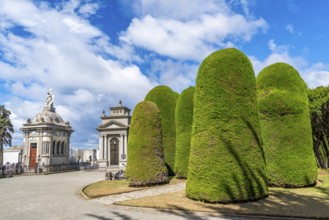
column 114, row 151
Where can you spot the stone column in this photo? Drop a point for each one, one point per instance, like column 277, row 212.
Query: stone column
column 107, row 151
column 122, row 147
column 101, row 147
column 126, row 146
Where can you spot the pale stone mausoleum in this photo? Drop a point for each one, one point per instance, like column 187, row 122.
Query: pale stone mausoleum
column 46, row 137
column 113, row 138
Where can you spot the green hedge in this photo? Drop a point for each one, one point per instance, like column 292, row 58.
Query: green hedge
column 145, row 159
column 286, row 126
column 166, row 100
column 184, row 118
column 226, row 158
column 319, row 110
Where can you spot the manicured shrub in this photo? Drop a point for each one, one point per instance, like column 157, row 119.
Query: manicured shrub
column 319, row 110
column 145, row 159
column 286, row 126
column 226, row 158
column 184, row 118
column 166, row 100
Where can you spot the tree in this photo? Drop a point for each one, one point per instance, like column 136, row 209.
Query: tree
column 319, row 110
column 166, row 100
column 184, row 118
column 226, row 158
column 6, row 129
column 286, row 126
column 145, row 159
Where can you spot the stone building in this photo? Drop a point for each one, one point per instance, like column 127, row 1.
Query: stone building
column 46, row 137
column 84, row 155
column 113, row 138
column 13, row 155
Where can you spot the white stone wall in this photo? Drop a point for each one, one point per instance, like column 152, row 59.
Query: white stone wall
column 47, row 157
column 12, row 156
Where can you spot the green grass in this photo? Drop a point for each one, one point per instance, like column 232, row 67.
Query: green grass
column 106, row 187
column 311, row 202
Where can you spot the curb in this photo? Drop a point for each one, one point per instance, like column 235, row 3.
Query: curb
column 82, row 194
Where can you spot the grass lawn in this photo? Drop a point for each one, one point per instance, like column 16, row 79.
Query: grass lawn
column 107, row 187
column 310, row 202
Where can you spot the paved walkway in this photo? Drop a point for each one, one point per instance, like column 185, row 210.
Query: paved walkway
column 57, row 196
column 109, row 200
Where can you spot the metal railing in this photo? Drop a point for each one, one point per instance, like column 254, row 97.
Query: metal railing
column 9, row 170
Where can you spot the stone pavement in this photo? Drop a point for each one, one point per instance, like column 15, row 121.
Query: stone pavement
column 169, row 188
column 57, row 196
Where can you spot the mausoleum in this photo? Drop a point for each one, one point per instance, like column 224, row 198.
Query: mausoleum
column 46, row 137
column 113, row 138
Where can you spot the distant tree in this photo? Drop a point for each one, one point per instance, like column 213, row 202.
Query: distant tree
column 6, row 129
column 319, row 111
column 226, row 157
column 145, row 159
column 166, row 99
column 286, row 126
column 184, row 119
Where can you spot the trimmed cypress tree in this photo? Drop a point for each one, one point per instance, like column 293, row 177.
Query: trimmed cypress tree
column 145, row 159
column 184, row 118
column 166, row 100
column 226, row 158
column 286, row 126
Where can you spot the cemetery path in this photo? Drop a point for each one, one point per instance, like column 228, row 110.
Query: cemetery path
column 57, row 196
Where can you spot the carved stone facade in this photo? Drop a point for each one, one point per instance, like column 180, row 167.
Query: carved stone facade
column 113, row 138
column 46, row 137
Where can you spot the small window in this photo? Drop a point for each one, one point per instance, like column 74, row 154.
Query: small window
column 62, row 148
column 54, row 146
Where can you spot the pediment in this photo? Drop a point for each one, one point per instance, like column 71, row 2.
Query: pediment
column 112, row 125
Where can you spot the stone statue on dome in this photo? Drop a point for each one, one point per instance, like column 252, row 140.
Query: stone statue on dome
column 50, row 100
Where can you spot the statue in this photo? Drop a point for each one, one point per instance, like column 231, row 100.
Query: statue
column 50, row 99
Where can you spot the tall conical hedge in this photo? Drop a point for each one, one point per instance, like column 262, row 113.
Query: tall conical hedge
column 145, row 159
column 166, row 100
column 184, row 118
column 286, row 126
column 226, row 159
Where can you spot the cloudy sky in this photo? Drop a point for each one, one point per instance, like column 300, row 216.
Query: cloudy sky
column 95, row 53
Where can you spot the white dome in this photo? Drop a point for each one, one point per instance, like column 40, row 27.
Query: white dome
column 48, row 117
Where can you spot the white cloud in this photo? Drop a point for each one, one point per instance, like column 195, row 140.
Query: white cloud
column 21, row 110
column 278, row 48
column 189, row 29
column 176, row 75
column 62, row 49
column 245, row 6
column 313, row 74
column 290, row 29
column 317, row 75
column 279, row 53
column 89, row 9
column 192, row 40
column 178, row 10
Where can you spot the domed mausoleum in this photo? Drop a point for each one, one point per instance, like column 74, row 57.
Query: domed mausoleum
column 46, row 137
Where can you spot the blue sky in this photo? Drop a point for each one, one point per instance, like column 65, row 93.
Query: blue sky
column 95, row 53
